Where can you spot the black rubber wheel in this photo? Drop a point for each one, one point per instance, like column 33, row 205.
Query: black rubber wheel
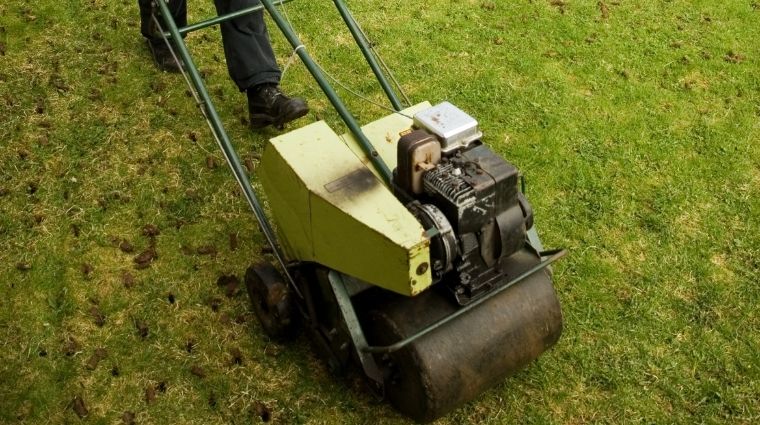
column 271, row 300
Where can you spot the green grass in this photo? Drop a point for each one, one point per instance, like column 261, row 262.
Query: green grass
column 637, row 125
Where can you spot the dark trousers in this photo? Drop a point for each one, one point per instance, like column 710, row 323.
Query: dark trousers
column 250, row 59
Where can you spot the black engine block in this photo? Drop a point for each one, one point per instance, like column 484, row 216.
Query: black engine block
column 469, row 202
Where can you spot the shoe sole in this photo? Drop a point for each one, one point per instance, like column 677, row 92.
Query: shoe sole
column 259, row 121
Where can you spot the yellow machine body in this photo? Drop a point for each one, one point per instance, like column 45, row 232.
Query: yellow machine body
column 332, row 208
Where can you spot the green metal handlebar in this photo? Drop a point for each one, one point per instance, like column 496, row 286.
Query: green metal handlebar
column 215, row 122
column 337, row 103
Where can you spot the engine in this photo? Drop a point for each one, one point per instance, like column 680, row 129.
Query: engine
column 466, row 198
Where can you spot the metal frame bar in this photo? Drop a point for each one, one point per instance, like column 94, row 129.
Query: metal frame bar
column 176, row 33
column 355, row 329
column 365, row 48
column 223, row 18
column 329, row 91
column 217, row 128
column 364, row 351
column 553, row 255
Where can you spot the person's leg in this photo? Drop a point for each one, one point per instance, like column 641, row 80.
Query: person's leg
column 253, row 67
column 147, row 26
column 250, row 59
column 161, row 54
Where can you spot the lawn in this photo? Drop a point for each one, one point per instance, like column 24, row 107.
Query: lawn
column 636, row 125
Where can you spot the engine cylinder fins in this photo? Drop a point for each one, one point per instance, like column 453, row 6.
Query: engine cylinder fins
column 455, row 363
column 443, row 243
column 448, row 181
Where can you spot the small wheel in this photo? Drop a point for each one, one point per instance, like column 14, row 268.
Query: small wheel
column 271, row 300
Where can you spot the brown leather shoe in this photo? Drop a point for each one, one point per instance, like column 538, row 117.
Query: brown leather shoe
column 268, row 105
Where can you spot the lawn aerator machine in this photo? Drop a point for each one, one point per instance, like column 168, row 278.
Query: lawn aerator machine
column 405, row 246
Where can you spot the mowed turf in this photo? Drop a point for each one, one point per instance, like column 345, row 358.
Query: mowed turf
column 636, row 125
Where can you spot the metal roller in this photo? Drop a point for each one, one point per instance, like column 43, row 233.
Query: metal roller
column 455, row 363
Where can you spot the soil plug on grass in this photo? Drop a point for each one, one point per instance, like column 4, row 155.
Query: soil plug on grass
column 150, row 394
column 150, row 230
column 59, row 83
column 559, row 4
column 262, row 411
column 23, row 266
column 733, row 57
column 233, row 241
column 236, row 356
column 142, row 328
column 126, row 247
column 97, row 316
column 604, row 10
column 198, row 371
column 157, row 86
column 70, row 346
column 95, row 94
column 214, row 304
column 206, row 250
column 79, row 407
column 145, row 258
column 249, row 165
column 97, row 356
column 212, row 400
column 128, row 418
column 272, row 350
column 127, row 279
column 25, row 410
column 230, row 283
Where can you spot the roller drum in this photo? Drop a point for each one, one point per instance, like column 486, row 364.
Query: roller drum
column 456, row 362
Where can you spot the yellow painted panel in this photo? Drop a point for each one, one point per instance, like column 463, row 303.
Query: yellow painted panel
column 288, row 199
column 350, row 221
column 384, row 134
column 350, row 247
